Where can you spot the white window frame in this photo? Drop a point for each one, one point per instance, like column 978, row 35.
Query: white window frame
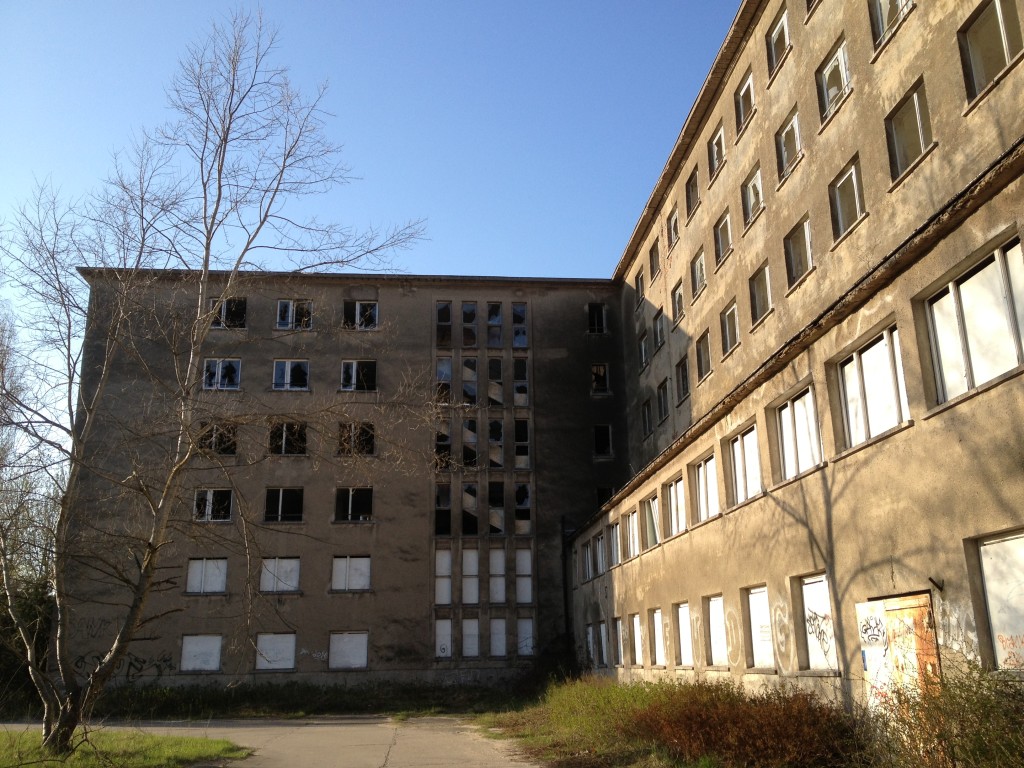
column 283, row 382
column 729, row 320
column 873, row 394
column 675, row 493
column 746, row 465
column 787, row 159
column 672, row 228
column 294, row 315
column 723, row 237
column 839, row 196
column 760, row 294
column 351, row 573
column 818, row 628
column 976, row 77
column 884, row 24
column 658, row 329
column 684, row 636
column 753, row 196
column 717, row 638
column 908, row 130
column 831, row 96
column 698, row 274
column 632, row 535
column 220, row 306
column 777, row 41
column 759, row 630
column 745, row 104
column 361, row 312
column 652, row 521
column 704, row 484
column 637, row 658
column 350, row 378
column 638, row 287
column 692, row 193
column 716, row 153
column 291, row 436
column 656, row 626
column 1002, row 562
column 614, row 544
column 799, row 439
column 524, row 576
column 219, row 379
column 206, row 576
column 974, row 339
column 654, row 259
column 678, row 302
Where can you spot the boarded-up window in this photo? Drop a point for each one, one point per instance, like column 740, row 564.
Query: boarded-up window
column 200, row 653
column 279, row 574
column 718, row 649
column 818, row 625
column 350, row 573
column 1002, row 564
column 496, row 567
column 637, row 659
column 525, row 639
column 897, row 637
column 524, row 576
column 471, row 637
column 684, row 651
column 348, row 650
column 498, row 642
column 443, row 577
column 443, row 638
column 206, row 575
column 470, row 576
column 657, row 638
column 762, row 655
column 275, row 651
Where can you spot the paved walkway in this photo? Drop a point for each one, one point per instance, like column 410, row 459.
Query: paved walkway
column 355, row 742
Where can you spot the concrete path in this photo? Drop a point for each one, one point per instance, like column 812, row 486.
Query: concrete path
column 354, row 742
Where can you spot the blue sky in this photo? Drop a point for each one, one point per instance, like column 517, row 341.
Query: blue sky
column 527, row 134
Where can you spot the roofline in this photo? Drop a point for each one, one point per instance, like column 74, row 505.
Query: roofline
column 91, row 273
column 706, row 99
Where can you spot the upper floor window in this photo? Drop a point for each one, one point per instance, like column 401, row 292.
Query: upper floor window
column 746, row 466
column 520, row 382
column 654, row 259
column 682, row 378
column 760, row 294
column 597, row 317
column 885, row 16
column 291, row 374
column 799, row 441
column 222, row 373
column 698, row 275
column 977, row 323
column 207, row 576
column 638, row 286
column 443, row 326
column 833, row 81
column 228, row 313
column 989, row 41
column 730, row 328
column 356, row 438
column 753, row 199
column 777, row 40
column 788, row 148
column 723, row 238
column 218, row 437
column 519, row 336
column 846, row 199
column 908, row 130
column 652, row 522
column 442, row 379
column 599, row 379
column 350, row 574
column 294, row 314
column 703, row 355
column 716, row 152
column 284, row 505
column 797, row 245
column 361, row 375
column 495, row 382
column 678, row 302
column 658, row 327
column 353, row 504
column 672, row 228
column 361, row 315
column 744, row 99
column 288, row 438
column 213, row 504
column 874, row 396
column 647, row 418
column 279, row 574
column 602, row 440
column 643, row 350
column 494, row 325
column 692, row 193
column 469, row 324
column 705, row 489
column 663, row 400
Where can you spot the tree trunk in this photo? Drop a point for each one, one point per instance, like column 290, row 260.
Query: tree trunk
column 58, row 735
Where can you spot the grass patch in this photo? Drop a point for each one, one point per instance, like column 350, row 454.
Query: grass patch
column 125, row 749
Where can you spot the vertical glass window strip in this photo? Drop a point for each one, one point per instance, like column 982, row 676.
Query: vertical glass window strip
column 496, row 576
column 519, row 334
column 443, row 326
column 495, row 338
column 798, row 434
column 520, row 382
column 705, row 486
column 873, row 390
column 469, row 324
column 746, row 466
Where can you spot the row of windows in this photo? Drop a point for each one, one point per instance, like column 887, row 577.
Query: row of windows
column 283, row 505
column 209, row 575
column 472, row 641
column 975, row 328
column 275, row 651
column 288, row 438
column 468, row 578
column 472, row 454
column 226, row 373
column 474, row 518
column 976, row 332
column 469, row 325
column 292, row 314
column 476, row 391
column 645, row 641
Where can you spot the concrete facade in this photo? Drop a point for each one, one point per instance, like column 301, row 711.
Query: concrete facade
column 781, row 443
column 832, row 494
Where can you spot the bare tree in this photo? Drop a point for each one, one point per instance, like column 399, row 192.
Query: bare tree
column 211, row 196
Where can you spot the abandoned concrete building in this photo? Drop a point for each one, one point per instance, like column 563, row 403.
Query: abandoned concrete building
column 783, row 441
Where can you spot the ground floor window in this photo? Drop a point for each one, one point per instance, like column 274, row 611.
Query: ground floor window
column 348, row 650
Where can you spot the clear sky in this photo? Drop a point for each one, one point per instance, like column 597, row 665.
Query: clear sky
column 527, row 133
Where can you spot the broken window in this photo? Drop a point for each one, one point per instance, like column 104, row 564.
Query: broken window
column 443, row 509
column 469, row 324
column 470, row 520
column 494, row 325
column 730, row 328
column 288, row 438
column 787, row 145
column 358, row 375
column 797, row 245
column 522, row 439
column 353, row 505
column 496, row 507
column 469, row 443
column 227, row 313
column 444, row 379
column 520, row 382
column 524, row 515
column 833, row 82
column 357, row 438
column 599, row 379
column 291, row 374
column 284, row 505
column 469, row 381
column 360, row 315
column 213, row 504
column 495, row 443
column 602, row 440
column 222, row 373
column 847, row 199
column 597, row 318
column 519, row 336
column 495, row 384
column 218, row 437
column 443, row 327
column 909, row 130
column 294, row 314
column 760, row 294
column 443, row 446
column 988, row 43
column 777, row 41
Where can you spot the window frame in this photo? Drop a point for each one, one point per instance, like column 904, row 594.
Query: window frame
column 210, row 514
column 829, row 102
column 972, row 82
column 707, row 502
column 662, row 399
column 776, row 51
column 744, row 112
column 210, row 569
column 801, row 464
column 352, row 511
column 723, row 238
column 752, row 204
column 716, row 153
column 682, row 375
column 294, row 319
column 363, row 563
column 841, row 222
column 692, row 193
column 916, row 99
column 882, row 30
column 357, row 438
column 698, row 275
column 295, row 493
column 745, row 473
column 272, row 580
column 729, row 323
column 787, row 164
column 702, row 346
column 285, row 435
column 288, row 366
column 355, row 373
column 792, row 277
column 223, row 312
column 360, row 308
column 219, row 379
column 759, row 286
column 860, row 404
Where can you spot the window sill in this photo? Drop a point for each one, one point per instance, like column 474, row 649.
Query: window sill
column 849, row 231
column 789, row 170
column 835, row 109
column 911, row 168
column 351, row 391
column 746, row 502
column 697, row 295
column 815, row 673
column 290, row 329
column 705, row 377
column 290, row 389
column 273, row 671
column 984, row 92
column 873, row 440
column 282, row 593
column 682, row 399
column 778, row 66
column 741, row 129
column 761, row 671
column 350, row 591
column 728, row 353
column 599, row 395
column 761, row 320
column 797, row 478
column 284, row 522
column 353, row 522
column 883, row 42
column 199, row 671
column 603, row 457
column 691, row 213
column 205, row 594
column 716, row 668
column 223, row 389
column 656, row 275
column 972, row 393
column 702, row 523
column 753, row 217
column 800, row 281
